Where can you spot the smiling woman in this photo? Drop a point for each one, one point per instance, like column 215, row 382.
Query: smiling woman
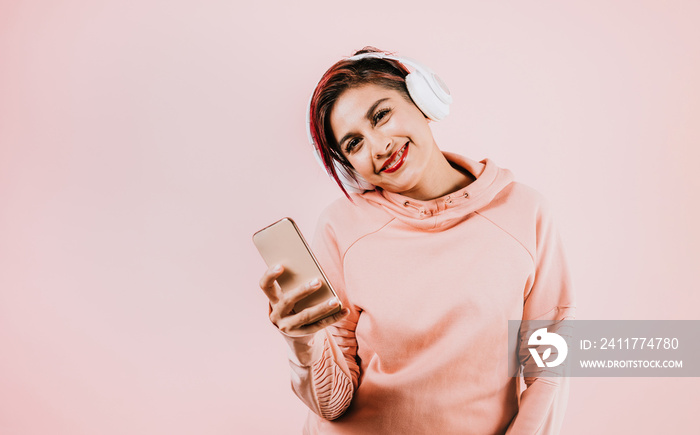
column 431, row 257
column 388, row 142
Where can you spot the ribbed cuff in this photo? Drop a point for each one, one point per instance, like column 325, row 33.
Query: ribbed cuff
column 304, row 350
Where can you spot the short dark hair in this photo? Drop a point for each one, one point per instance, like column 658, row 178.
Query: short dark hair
column 344, row 75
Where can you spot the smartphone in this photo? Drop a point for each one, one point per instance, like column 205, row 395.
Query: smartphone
column 282, row 243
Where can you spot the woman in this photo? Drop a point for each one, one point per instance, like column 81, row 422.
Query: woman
column 430, row 264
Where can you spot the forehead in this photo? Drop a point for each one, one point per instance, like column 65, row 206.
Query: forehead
column 350, row 109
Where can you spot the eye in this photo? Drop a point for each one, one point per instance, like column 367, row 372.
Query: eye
column 381, row 114
column 351, row 145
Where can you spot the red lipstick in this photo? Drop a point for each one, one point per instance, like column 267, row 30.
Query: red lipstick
column 396, row 160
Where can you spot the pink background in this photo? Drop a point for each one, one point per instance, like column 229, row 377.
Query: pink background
column 143, row 142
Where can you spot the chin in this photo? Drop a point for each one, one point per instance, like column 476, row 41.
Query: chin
column 400, row 188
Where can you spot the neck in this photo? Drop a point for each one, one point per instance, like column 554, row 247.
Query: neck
column 443, row 179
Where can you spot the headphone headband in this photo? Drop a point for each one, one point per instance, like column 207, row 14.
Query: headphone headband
column 436, row 84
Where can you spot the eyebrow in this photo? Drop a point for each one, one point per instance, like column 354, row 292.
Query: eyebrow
column 368, row 115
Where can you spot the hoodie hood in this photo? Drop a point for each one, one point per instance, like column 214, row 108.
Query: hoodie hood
column 449, row 210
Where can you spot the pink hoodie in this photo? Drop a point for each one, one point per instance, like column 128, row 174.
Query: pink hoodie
column 431, row 286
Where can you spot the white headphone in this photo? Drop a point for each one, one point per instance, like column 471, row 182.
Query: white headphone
column 428, row 92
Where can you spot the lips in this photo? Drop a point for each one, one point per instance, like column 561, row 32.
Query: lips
column 396, row 160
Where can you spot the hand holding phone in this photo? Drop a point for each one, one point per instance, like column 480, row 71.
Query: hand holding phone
column 302, row 300
column 282, row 313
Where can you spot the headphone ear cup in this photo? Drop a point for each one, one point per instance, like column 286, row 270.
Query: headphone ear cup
column 425, row 98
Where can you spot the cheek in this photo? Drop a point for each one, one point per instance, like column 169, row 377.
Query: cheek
column 354, row 162
column 393, row 125
column 362, row 165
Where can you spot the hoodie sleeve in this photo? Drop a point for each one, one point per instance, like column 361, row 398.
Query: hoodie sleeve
column 550, row 298
column 324, row 365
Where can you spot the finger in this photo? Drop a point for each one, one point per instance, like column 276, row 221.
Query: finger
column 267, row 282
column 284, row 306
column 286, row 302
column 317, row 326
column 305, row 316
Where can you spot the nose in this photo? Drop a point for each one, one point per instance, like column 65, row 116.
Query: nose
column 379, row 144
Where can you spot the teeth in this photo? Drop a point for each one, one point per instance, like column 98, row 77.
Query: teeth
column 397, row 158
